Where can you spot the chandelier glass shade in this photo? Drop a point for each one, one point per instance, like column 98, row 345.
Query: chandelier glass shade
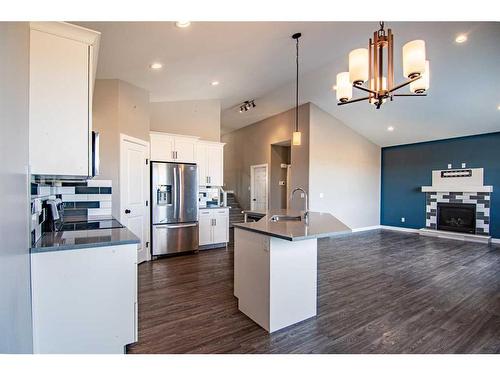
column 375, row 65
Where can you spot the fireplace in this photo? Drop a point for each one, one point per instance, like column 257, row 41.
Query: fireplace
column 456, row 217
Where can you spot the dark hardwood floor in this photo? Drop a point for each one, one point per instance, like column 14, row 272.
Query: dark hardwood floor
column 378, row 292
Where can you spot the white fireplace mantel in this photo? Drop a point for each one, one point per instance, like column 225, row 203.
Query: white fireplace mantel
column 462, row 180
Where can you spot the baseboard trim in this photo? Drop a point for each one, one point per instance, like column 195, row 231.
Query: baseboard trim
column 399, row 229
column 364, row 229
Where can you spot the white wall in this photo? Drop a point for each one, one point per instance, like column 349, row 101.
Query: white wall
column 194, row 117
column 345, row 167
column 15, row 297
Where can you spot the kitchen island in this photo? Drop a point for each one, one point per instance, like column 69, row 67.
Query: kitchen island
column 275, row 265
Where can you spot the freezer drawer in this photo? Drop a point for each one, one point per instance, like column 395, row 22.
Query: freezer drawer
column 174, row 238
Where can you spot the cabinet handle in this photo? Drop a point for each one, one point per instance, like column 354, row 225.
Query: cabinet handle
column 173, row 155
column 176, row 155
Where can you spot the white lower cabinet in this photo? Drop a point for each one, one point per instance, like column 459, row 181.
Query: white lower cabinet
column 213, row 226
column 84, row 301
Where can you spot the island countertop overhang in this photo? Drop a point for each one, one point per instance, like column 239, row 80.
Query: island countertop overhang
column 320, row 225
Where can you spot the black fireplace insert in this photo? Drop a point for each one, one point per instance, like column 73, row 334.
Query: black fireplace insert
column 456, row 217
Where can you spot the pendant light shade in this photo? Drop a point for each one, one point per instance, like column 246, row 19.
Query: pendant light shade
column 414, row 58
column 358, row 65
column 296, row 138
column 422, row 84
column 344, row 87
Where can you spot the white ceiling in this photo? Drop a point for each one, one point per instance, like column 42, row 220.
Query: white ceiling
column 256, row 60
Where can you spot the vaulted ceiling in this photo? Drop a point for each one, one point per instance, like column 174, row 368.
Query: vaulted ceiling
column 256, row 60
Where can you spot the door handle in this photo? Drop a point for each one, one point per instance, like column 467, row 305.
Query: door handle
column 127, row 211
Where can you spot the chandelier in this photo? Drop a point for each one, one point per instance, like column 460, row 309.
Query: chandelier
column 375, row 65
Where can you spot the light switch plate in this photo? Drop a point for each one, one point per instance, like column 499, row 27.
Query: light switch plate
column 321, row 195
column 282, row 183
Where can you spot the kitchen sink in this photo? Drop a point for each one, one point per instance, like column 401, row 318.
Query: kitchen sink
column 276, row 218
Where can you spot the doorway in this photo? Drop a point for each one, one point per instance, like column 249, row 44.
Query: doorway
column 134, row 190
column 259, row 186
column 279, row 180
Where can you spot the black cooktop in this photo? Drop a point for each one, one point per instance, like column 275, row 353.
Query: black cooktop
column 89, row 225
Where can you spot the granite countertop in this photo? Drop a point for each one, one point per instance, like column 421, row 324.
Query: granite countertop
column 320, row 225
column 81, row 239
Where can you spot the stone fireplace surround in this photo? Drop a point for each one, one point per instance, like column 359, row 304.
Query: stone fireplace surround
column 480, row 199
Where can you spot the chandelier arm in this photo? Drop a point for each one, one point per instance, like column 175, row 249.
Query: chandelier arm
column 364, row 89
column 404, row 83
column 409, row 95
column 354, row 100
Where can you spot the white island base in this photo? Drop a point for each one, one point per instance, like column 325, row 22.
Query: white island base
column 275, row 280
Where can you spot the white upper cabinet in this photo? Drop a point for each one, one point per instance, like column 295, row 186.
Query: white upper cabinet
column 210, row 160
column 62, row 59
column 162, row 147
column 173, row 148
column 185, row 149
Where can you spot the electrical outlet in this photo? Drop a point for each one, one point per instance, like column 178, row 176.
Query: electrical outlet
column 403, row 219
column 449, row 166
column 464, row 165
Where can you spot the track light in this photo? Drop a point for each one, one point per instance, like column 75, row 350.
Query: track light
column 247, row 105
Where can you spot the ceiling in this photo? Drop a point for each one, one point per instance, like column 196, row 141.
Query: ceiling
column 256, row 60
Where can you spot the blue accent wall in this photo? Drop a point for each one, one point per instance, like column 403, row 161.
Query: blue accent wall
column 408, row 167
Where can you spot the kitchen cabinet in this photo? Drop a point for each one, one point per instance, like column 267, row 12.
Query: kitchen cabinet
column 62, row 65
column 84, row 301
column 213, row 226
column 173, row 148
column 210, row 160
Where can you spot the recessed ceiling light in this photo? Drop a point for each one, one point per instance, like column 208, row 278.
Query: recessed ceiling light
column 461, row 38
column 182, row 24
column 156, row 66
column 390, row 128
column 214, row 83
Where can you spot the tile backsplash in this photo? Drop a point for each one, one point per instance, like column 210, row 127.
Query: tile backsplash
column 82, row 200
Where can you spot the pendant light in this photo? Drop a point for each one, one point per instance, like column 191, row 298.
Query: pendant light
column 296, row 136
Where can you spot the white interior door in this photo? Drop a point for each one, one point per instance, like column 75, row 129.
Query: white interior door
column 134, row 182
column 258, row 187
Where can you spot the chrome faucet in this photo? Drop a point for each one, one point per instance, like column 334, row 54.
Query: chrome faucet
column 306, row 212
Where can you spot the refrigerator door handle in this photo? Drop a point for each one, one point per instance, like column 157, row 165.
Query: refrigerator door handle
column 174, row 226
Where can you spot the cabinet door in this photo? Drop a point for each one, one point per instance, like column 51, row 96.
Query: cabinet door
column 215, row 165
column 202, row 162
column 205, row 227
column 59, row 114
column 162, row 147
column 185, row 149
column 221, row 227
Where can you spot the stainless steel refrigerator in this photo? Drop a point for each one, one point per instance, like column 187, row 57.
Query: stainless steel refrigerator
column 174, row 211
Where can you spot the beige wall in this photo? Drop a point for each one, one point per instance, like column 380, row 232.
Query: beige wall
column 251, row 145
column 345, row 167
column 118, row 107
column 195, row 117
